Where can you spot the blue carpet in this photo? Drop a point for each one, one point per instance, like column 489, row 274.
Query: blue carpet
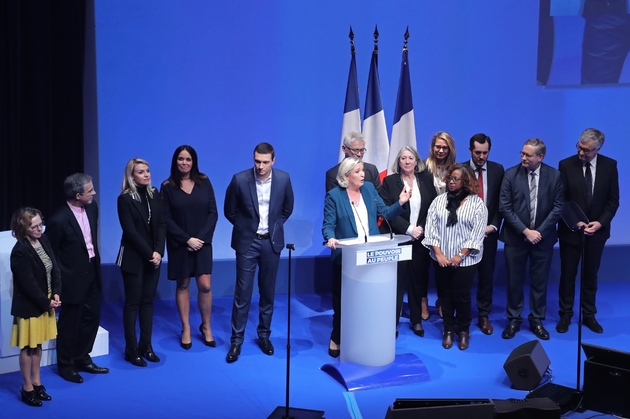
column 199, row 383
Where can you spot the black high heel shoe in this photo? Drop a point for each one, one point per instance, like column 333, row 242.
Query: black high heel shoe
column 186, row 346
column 210, row 343
column 30, row 398
column 40, row 392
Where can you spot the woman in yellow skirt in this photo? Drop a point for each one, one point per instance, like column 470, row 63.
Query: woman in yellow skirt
column 36, row 289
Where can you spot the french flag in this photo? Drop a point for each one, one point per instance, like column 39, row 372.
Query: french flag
column 404, row 130
column 352, row 107
column 374, row 128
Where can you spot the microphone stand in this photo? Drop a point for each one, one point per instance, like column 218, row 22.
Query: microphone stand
column 286, row 412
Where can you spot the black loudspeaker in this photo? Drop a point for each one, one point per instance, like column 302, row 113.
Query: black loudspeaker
column 526, row 365
column 606, row 380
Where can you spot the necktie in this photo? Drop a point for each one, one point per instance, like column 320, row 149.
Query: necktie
column 533, row 191
column 588, row 180
column 480, row 179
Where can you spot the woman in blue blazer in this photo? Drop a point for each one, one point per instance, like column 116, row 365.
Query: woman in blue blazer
column 351, row 210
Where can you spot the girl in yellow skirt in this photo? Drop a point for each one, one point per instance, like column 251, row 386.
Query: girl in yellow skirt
column 36, row 289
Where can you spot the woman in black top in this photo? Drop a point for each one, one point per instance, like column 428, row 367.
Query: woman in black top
column 190, row 211
column 140, row 257
column 36, row 289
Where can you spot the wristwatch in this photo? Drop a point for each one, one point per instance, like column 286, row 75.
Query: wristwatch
column 462, row 256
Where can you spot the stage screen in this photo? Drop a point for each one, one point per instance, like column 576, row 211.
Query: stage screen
column 223, row 76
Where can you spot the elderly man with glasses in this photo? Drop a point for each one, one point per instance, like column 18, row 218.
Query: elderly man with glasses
column 354, row 146
column 591, row 181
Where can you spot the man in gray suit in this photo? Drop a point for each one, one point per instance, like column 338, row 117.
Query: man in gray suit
column 354, row 146
column 530, row 202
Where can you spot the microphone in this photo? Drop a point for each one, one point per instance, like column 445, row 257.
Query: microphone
column 391, row 232
column 360, row 222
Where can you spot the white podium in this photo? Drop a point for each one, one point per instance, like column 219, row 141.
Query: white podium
column 368, row 298
column 9, row 355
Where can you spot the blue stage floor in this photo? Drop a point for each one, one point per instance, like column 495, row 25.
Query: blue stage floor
column 200, row 384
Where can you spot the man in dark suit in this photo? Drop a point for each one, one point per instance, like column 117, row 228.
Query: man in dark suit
column 354, row 146
column 530, row 202
column 258, row 202
column 591, row 181
column 72, row 232
column 489, row 174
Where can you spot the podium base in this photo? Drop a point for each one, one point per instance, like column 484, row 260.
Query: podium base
column 406, row 369
column 295, row 413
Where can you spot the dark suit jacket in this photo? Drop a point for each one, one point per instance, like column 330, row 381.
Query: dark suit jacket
column 604, row 203
column 339, row 216
column 494, row 174
column 241, row 208
column 390, row 191
column 30, row 284
column 514, row 205
column 138, row 240
column 71, row 253
column 371, row 175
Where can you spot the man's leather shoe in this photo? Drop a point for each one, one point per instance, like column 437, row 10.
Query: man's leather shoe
column 464, row 339
column 510, row 330
column 485, row 326
column 233, row 353
column 148, row 353
column 418, row 330
column 539, row 331
column 92, row 368
column 133, row 356
column 593, row 324
column 563, row 325
column 265, row 346
column 447, row 339
column 71, row 376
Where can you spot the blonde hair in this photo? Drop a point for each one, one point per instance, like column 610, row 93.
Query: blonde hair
column 450, row 159
column 128, row 185
column 419, row 163
column 345, row 167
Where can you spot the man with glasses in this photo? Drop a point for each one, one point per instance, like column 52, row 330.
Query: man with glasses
column 354, row 146
column 591, row 181
column 530, row 202
column 72, row 232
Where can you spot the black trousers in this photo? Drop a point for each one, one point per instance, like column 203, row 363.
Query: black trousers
column 485, row 275
column 569, row 260
column 454, row 289
column 140, row 291
column 335, row 335
column 77, row 327
column 413, row 275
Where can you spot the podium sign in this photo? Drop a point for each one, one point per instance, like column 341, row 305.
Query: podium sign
column 368, row 298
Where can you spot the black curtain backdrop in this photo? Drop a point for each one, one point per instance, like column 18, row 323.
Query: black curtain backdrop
column 41, row 101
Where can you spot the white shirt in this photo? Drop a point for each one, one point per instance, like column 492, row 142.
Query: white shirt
column 263, row 191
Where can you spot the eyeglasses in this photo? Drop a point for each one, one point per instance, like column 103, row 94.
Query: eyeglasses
column 528, row 156
column 453, row 179
column 584, row 150
column 356, row 150
column 441, row 147
column 36, row 227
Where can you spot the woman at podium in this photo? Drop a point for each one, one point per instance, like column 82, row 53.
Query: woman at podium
column 409, row 172
column 36, row 289
column 351, row 210
column 454, row 233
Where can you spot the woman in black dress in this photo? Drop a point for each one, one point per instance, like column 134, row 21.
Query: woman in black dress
column 36, row 289
column 190, row 211
column 140, row 257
